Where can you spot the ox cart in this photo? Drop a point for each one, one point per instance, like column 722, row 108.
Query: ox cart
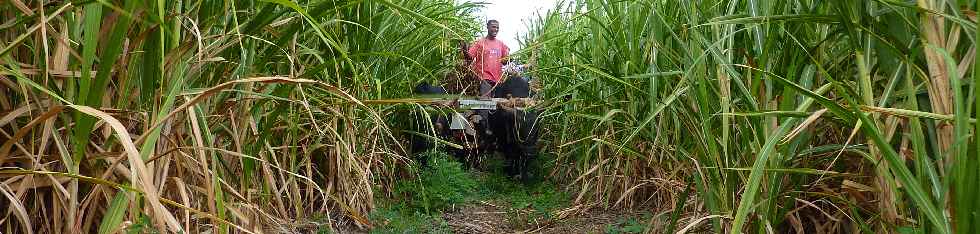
column 473, row 127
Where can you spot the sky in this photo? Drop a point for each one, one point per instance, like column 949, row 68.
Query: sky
column 513, row 16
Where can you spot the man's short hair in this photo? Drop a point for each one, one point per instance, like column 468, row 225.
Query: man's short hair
column 492, row 21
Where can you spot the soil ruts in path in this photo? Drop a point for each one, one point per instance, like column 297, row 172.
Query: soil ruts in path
column 488, row 217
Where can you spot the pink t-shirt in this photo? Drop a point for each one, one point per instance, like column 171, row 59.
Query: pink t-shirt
column 487, row 55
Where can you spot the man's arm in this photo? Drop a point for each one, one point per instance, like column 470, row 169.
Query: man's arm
column 506, row 54
column 472, row 51
column 464, row 50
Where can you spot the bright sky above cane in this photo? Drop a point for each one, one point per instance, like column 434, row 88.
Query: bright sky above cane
column 513, row 16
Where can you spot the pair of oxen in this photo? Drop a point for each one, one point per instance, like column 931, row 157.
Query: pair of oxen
column 511, row 131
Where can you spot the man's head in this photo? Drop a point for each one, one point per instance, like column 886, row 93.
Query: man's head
column 492, row 27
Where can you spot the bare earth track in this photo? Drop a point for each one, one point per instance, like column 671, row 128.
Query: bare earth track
column 487, row 217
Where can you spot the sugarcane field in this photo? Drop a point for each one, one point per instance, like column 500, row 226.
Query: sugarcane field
column 489, row 116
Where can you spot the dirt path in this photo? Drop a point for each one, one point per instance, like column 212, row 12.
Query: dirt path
column 488, row 217
column 484, row 200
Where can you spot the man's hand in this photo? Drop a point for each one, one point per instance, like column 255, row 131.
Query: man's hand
column 464, row 49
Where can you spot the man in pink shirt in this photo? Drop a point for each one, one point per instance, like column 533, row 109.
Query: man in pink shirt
column 489, row 55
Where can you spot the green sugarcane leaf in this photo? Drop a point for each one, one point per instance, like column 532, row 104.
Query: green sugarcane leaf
column 114, row 214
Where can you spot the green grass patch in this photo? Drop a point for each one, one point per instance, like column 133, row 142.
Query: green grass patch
column 440, row 184
column 525, row 203
column 629, row 225
column 396, row 219
column 418, row 203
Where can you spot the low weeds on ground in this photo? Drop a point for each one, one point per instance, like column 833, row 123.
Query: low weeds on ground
column 526, row 203
column 399, row 220
column 439, row 185
column 628, row 225
column 418, row 204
